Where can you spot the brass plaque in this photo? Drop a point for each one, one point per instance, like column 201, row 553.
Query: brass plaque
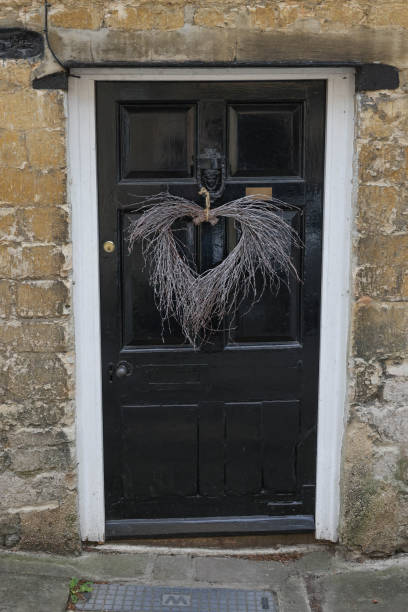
column 261, row 192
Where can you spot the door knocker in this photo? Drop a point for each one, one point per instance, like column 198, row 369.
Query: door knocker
column 211, row 172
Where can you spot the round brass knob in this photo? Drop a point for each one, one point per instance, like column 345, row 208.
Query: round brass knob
column 109, row 246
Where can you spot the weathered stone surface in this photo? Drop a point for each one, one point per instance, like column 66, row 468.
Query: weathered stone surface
column 8, row 224
column 84, row 15
column 385, row 116
column 44, row 224
column 389, row 14
column 46, row 149
column 45, row 376
column 31, row 187
column 367, row 502
column 6, row 298
column 264, row 17
column 14, row 75
column 55, row 529
column 13, row 150
column 35, row 450
column 36, row 336
column 381, row 210
column 41, row 299
column 27, row 109
column 380, row 329
column 145, row 18
column 383, row 162
column 209, row 17
column 368, row 380
column 36, row 262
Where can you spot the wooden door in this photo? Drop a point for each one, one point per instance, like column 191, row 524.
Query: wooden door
column 222, row 439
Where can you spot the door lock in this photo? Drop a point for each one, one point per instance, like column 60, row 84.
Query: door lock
column 123, row 369
column 120, row 370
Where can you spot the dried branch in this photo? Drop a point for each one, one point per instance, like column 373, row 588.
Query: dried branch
column 201, row 302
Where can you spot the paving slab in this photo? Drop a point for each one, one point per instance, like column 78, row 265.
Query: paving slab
column 361, row 591
column 317, row 581
column 223, row 570
column 31, row 593
column 172, row 567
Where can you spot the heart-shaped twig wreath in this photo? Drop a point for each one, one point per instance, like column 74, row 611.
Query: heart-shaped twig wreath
column 201, row 302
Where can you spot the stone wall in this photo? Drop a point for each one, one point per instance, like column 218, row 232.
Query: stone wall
column 37, row 466
column 37, row 461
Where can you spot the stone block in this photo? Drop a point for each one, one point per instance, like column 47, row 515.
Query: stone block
column 383, row 117
column 54, row 530
column 42, row 262
column 37, row 375
column 35, row 262
column 6, row 298
column 389, row 420
column 28, row 187
column 264, row 17
column 381, row 282
column 15, row 74
column 80, row 16
column 378, row 209
column 13, row 150
column 34, row 413
column 8, row 224
column 34, row 450
column 368, row 380
column 16, row 491
column 44, row 224
column 41, row 299
column 9, row 524
column 46, row 149
column 388, row 13
column 10, row 260
column 145, row 18
column 367, row 503
column 397, row 368
column 382, row 163
column 396, row 390
column 380, row 250
column 333, row 14
column 380, row 329
column 212, row 18
column 29, row 109
column 33, row 336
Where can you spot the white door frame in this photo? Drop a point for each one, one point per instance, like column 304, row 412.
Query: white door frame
column 335, row 278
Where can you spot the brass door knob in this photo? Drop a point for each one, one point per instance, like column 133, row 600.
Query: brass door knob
column 109, row 246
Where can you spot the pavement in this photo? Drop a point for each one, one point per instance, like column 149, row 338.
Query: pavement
column 303, row 578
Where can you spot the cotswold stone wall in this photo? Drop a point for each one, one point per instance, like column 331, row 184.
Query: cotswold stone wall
column 37, row 462
column 37, row 465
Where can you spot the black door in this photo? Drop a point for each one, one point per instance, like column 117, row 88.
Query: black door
column 222, row 439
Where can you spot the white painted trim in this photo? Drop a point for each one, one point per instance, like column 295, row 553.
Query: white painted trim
column 334, row 319
column 335, row 283
column 85, row 241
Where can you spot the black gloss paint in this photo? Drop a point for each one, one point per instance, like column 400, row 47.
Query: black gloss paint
column 230, row 430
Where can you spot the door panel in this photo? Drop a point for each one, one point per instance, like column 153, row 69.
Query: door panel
column 265, row 139
column 228, row 430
